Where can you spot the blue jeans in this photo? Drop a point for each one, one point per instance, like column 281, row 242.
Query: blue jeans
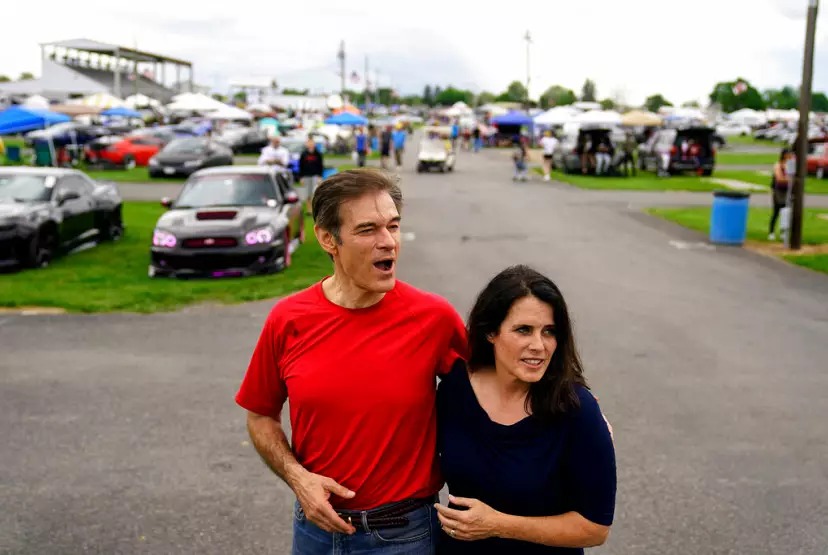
column 419, row 537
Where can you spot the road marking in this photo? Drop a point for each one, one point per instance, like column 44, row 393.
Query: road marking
column 686, row 245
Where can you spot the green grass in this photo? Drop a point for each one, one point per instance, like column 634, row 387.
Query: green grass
column 113, row 276
column 814, row 229
column 645, row 181
column 12, row 140
column 137, row 174
column 348, row 156
column 724, row 158
column 748, row 176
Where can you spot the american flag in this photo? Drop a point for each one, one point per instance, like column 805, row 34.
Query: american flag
column 355, row 77
column 739, row 88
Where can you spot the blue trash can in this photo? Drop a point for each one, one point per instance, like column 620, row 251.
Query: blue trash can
column 13, row 154
column 728, row 218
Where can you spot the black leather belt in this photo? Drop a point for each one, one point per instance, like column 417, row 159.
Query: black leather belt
column 386, row 516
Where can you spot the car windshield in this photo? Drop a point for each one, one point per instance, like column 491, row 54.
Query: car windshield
column 186, row 146
column 819, row 149
column 26, row 188
column 227, row 190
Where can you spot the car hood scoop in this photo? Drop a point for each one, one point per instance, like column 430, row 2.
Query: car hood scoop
column 216, row 214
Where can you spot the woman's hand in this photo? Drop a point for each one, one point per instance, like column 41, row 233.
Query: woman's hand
column 477, row 523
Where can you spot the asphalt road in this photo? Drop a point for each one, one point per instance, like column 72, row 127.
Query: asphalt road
column 121, row 434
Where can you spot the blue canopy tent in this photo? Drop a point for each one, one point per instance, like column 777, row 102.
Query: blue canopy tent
column 17, row 119
column 510, row 124
column 346, row 118
column 121, row 112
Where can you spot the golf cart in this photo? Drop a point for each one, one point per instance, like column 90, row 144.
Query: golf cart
column 436, row 150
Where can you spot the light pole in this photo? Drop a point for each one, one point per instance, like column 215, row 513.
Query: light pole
column 528, row 38
column 802, row 136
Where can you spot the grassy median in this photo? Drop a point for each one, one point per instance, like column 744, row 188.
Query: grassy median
column 113, row 276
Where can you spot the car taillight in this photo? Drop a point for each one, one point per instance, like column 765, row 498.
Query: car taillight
column 673, row 150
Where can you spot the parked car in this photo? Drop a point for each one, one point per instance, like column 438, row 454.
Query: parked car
column 45, row 212
column 732, row 129
column 818, row 158
column 135, row 150
column 668, row 151
column 69, row 133
column 229, row 221
column 187, row 156
column 244, row 140
column 568, row 153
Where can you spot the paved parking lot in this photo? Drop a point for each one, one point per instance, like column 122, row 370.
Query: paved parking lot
column 121, row 435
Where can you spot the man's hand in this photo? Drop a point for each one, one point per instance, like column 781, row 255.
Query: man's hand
column 477, row 523
column 313, row 492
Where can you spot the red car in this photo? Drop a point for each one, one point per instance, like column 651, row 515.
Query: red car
column 128, row 152
column 818, row 158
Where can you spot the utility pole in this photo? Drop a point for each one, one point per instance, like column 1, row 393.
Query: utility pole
column 802, row 137
column 528, row 39
column 341, row 56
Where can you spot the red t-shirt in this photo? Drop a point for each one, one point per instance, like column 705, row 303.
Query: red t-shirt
column 361, row 384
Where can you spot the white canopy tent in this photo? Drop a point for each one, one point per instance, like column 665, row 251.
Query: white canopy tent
column 141, row 101
column 598, row 117
column 230, row 113
column 100, row 100
column 36, row 101
column 194, row 102
column 493, row 109
column 559, row 115
column 750, row 117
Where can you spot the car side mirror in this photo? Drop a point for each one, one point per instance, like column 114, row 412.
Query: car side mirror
column 66, row 196
column 166, row 202
column 291, row 197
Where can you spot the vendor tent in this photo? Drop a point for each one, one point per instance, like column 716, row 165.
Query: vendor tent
column 230, row 113
column 194, row 102
column 99, row 100
column 746, row 116
column 141, row 101
column 37, row 102
column 598, row 117
column 121, row 112
column 640, row 118
column 558, row 115
column 17, row 119
column 346, row 118
column 513, row 118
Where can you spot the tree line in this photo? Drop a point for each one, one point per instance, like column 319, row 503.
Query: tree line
column 729, row 96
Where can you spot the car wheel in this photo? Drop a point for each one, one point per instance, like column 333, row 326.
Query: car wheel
column 113, row 227
column 707, row 173
column 129, row 162
column 41, row 250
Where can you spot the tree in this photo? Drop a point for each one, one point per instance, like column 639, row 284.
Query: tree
column 691, row 104
column 735, row 95
column 219, row 97
column 556, row 95
column 437, row 91
column 656, row 101
column 485, row 97
column 240, row 96
column 299, row 92
column 451, row 95
column 25, row 76
column 819, row 102
column 786, row 98
column 588, row 91
column 428, row 96
column 273, row 84
column 4, row 79
column 384, row 96
column 515, row 92
column 608, row 104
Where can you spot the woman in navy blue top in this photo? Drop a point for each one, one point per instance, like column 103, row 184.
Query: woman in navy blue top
column 525, row 451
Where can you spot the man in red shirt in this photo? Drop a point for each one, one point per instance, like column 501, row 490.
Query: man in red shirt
column 357, row 355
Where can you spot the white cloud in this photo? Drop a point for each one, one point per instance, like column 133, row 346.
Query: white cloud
column 632, row 47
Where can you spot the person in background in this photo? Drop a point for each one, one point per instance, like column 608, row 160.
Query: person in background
column 587, row 154
column 399, row 137
column 311, row 167
column 386, row 142
column 780, row 182
column 455, row 132
column 549, row 143
column 525, row 450
column 362, row 147
column 476, row 137
column 630, row 149
column 274, row 153
column 520, row 157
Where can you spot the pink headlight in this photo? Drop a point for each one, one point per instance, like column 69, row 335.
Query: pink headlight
column 163, row 239
column 263, row 235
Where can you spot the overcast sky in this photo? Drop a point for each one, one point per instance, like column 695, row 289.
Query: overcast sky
column 630, row 48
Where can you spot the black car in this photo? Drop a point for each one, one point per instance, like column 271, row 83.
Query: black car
column 674, row 150
column 229, row 221
column 244, row 140
column 187, row 156
column 46, row 211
